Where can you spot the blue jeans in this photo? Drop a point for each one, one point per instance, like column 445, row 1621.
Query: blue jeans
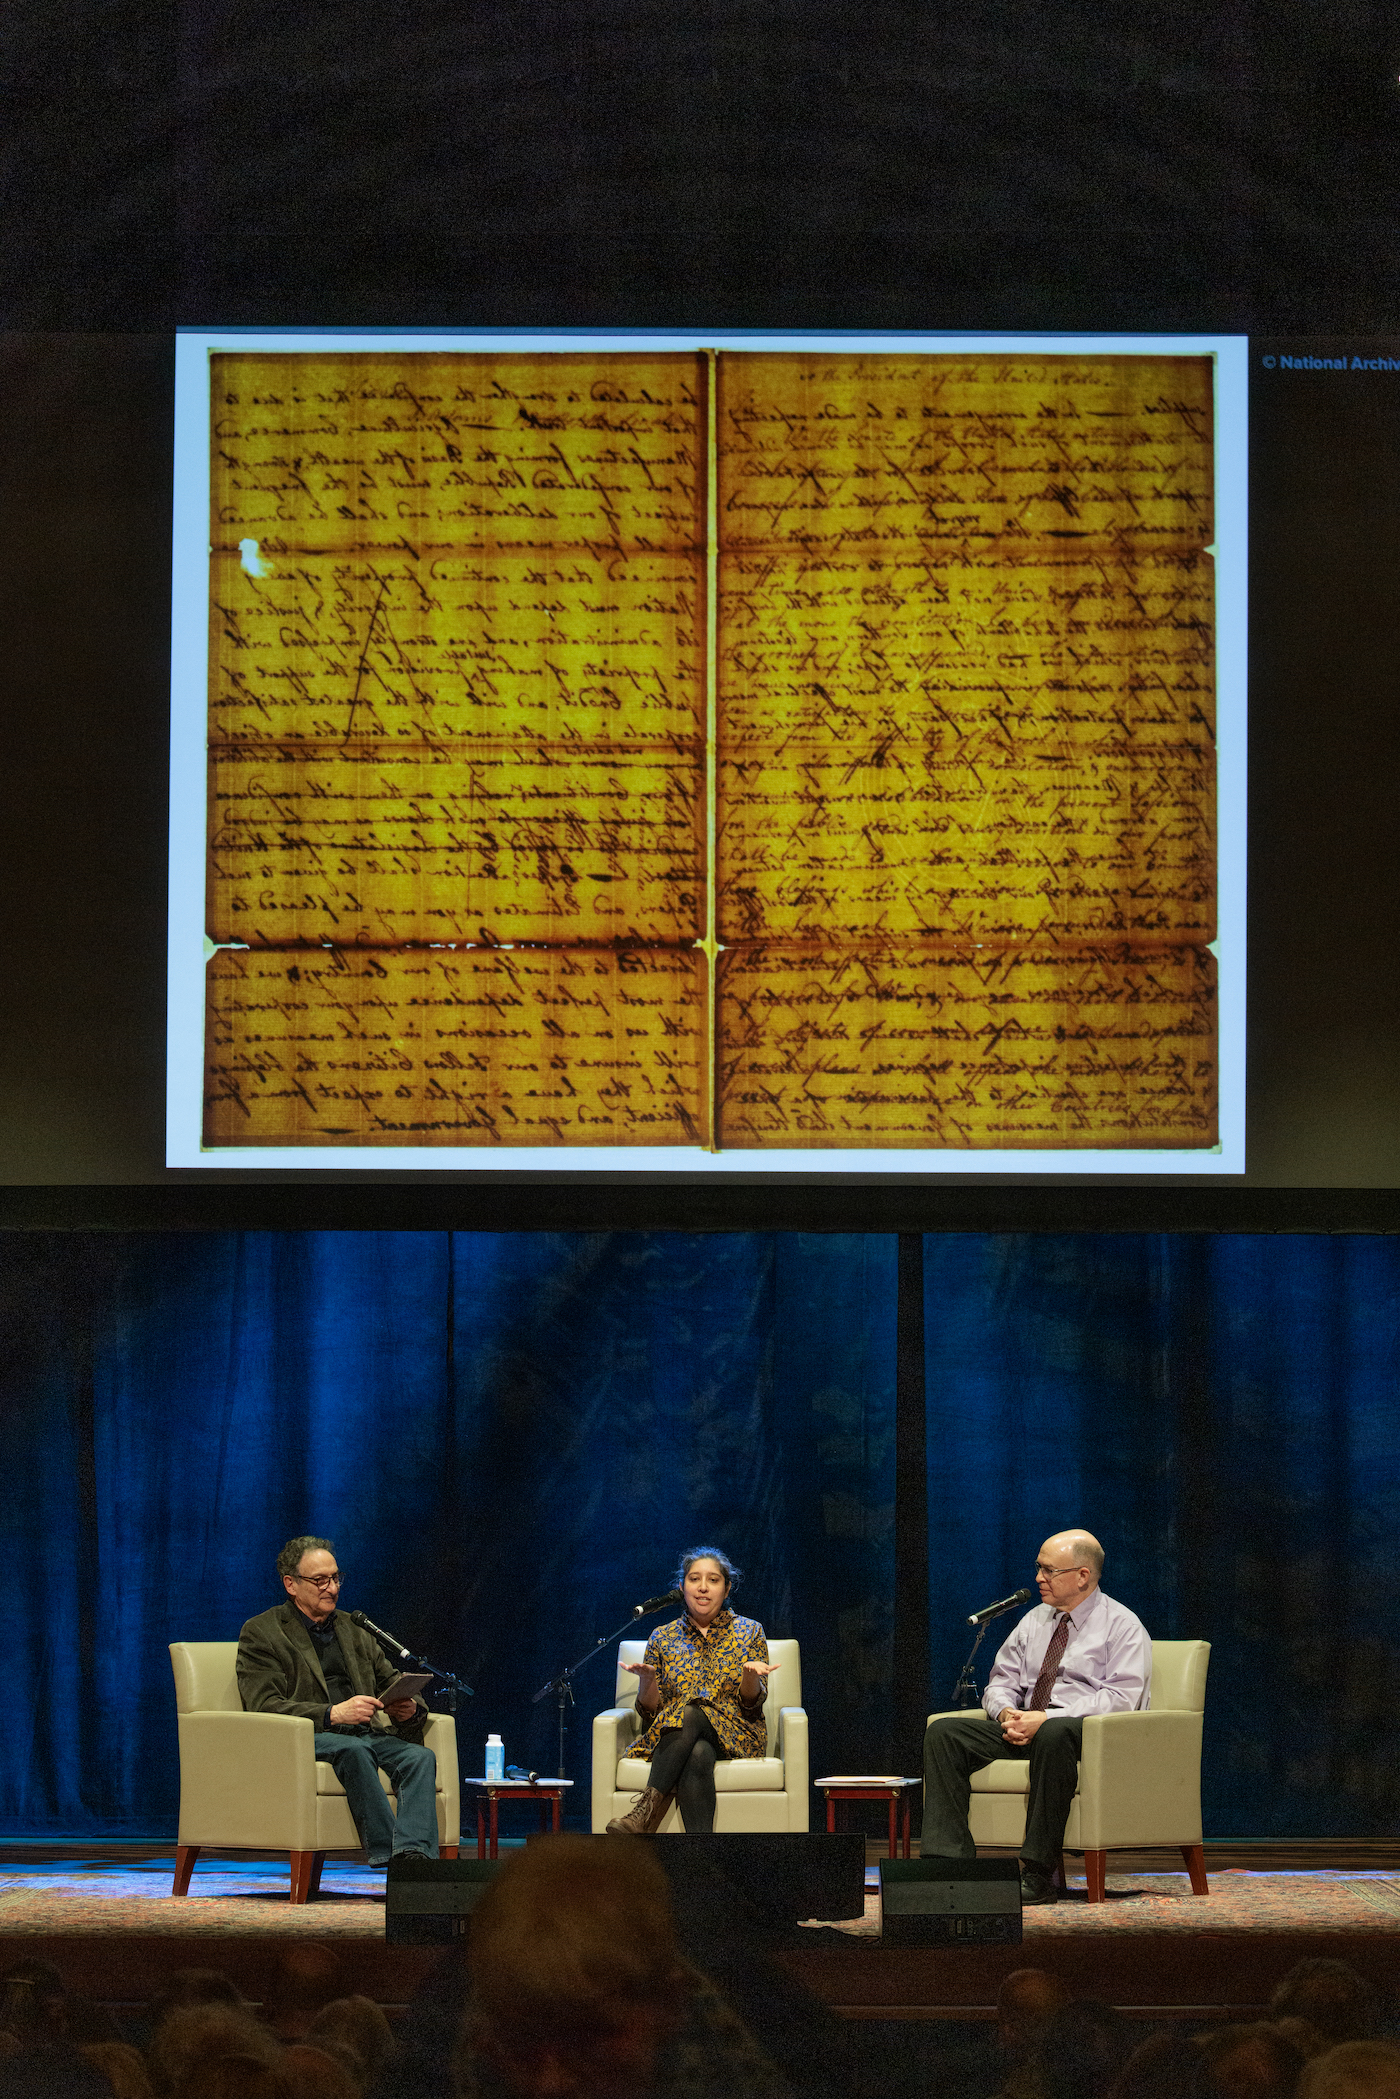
column 357, row 1761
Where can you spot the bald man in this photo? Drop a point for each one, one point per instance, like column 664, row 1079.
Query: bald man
column 1100, row 1662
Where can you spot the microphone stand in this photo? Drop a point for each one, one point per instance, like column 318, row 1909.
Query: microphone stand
column 965, row 1691
column 450, row 1688
column 562, row 1685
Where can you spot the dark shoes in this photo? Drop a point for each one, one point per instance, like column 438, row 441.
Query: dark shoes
column 1036, row 1885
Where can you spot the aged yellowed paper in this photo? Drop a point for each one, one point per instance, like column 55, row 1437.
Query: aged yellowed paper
column 457, row 702
column 966, row 779
column 522, row 1046
column 953, row 829
column 983, row 1047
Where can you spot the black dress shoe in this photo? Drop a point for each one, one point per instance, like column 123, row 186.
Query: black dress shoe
column 1037, row 1885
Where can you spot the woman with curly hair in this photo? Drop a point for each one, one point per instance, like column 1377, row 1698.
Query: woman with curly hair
column 701, row 1690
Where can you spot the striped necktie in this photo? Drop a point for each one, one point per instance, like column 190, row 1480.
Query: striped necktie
column 1050, row 1667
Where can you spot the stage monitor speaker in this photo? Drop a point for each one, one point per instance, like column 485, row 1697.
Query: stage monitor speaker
column 750, row 1880
column 429, row 1901
column 951, row 1901
column 725, row 1889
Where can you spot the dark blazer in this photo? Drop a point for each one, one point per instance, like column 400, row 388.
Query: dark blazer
column 279, row 1670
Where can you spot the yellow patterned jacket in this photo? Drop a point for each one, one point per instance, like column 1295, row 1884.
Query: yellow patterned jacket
column 706, row 1668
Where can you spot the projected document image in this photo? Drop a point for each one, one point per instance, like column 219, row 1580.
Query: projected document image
column 734, row 752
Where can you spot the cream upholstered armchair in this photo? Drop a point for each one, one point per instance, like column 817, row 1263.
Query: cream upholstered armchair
column 772, row 1792
column 1139, row 1776
column 250, row 1781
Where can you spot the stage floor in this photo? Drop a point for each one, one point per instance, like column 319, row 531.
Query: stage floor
column 234, row 1897
column 108, row 1921
column 228, row 1898
column 1239, row 1901
column 1152, row 1948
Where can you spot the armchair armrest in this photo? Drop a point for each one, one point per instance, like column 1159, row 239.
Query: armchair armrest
column 790, row 1743
column 1140, row 1779
column 612, row 1732
column 247, row 1780
column 440, row 1735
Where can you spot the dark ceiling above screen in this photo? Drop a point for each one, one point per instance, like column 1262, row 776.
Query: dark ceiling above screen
column 1217, row 167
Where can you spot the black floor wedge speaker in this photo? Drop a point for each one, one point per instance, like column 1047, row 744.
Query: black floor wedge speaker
column 428, row 1901
column 764, row 1880
column 951, row 1901
column 730, row 1888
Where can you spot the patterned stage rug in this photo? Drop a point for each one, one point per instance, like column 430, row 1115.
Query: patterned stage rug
column 1162, row 1903
column 237, row 1900
column 226, row 1900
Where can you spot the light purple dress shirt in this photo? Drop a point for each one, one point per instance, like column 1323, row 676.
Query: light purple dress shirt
column 1106, row 1666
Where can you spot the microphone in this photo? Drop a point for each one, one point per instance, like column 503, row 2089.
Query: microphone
column 657, row 1603
column 369, row 1626
column 994, row 1610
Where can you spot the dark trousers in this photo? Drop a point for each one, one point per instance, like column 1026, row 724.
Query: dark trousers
column 684, row 1764
column 357, row 1761
column 960, row 1743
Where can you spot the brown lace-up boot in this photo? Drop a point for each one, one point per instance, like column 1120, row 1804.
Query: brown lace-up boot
column 645, row 1818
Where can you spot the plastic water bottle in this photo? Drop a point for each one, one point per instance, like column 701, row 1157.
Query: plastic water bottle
column 495, row 1757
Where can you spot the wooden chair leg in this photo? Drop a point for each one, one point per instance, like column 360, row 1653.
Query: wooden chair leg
column 1095, row 1874
column 185, row 1856
column 313, row 1885
column 447, row 1851
column 1195, row 1857
column 303, row 1865
column 1058, row 1876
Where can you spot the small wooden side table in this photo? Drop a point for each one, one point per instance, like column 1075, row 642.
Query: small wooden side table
column 854, row 1786
column 490, row 1792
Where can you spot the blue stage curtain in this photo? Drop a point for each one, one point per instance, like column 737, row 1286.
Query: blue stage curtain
column 1221, row 1412
column 509, row 1436
column 628, row 1395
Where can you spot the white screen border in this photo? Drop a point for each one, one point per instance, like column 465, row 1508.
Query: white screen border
column 189, row 696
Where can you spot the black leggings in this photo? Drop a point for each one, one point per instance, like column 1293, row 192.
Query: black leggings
column 684, row 1764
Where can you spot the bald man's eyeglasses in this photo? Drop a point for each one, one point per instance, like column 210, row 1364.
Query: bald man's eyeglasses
column 1053, row 1574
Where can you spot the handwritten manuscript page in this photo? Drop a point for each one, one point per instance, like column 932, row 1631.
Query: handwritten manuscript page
column 966, row 756
column 938, row 872
column 457, row 750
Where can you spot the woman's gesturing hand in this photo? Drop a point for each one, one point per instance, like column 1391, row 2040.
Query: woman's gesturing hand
column 648, row 1690
column 750, row 1683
